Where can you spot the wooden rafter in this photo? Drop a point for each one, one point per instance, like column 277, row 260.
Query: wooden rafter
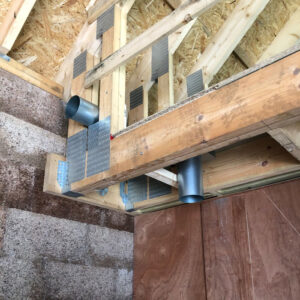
column 166, row 26
column 13, row 23
column 225, row 41
column 32, row 77
column 263, row 100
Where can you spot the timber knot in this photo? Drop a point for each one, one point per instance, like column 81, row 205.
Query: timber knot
column 188, row 18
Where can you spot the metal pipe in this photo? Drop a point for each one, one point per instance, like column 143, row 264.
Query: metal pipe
column 190, row 183
column 82, row 111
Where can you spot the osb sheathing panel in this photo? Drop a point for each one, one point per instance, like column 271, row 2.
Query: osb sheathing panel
column 4, row 6
column 49, row 34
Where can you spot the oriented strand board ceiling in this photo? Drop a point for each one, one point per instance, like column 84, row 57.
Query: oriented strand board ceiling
column 48, row 34
column 53, row 26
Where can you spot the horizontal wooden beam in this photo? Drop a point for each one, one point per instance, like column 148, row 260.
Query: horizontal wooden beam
column 252, row 161
column 32, row 77
column 254, row 104
column 180, row 16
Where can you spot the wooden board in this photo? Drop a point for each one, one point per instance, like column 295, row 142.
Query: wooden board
column 226, row 252
column 251, row 244
column 32, row 77
column 247, row 107
column 250, row 248
column 166, row 26
column 274, row 241
column 168, row 255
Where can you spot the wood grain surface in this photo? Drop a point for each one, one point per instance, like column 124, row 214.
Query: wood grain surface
column 168, row 258
column 227, row 269
column 250, row 248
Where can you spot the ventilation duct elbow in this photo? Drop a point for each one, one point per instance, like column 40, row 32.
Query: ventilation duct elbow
column 82, row 111
column 190, row 180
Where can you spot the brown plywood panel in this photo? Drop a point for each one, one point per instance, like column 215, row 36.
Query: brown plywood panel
column 226, row 251
column 168, row 258
column 274, row 242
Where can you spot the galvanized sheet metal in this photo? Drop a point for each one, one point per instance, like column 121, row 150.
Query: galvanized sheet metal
column 136, row 97
column 158, row 188
column 98, row 147
column 105, row 22
column 137, row 189
column 160, row 58
column 194, row 83
column 76, row 155
column 79, row 65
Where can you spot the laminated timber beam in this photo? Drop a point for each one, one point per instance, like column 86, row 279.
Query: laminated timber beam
column 256, row 101
column 258, row 160
column 189, row 10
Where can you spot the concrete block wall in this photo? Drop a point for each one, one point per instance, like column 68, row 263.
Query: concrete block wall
column 51, row 247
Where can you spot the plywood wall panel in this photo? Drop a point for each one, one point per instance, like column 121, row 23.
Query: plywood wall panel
column 168, row 255
column 226, row 251
column 250, row 248
column 274, row 245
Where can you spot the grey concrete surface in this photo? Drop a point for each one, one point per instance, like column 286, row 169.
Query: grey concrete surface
column 21, row 187
column 31, row 104
column 31, row 236
column 108, row 246
column 44, row 257
column 19, row 280
column 22, row 141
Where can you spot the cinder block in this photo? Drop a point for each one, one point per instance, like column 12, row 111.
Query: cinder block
column 124, row 285
column 19, row 280
column 69, row 281
column 31, row 104
column 21, row 187
column 24, row 142
column 108, row 246
column 31, row 236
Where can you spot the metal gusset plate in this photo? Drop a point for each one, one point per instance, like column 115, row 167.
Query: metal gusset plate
column 98, row 147
column 76, row 155
column 137, row 189
column 136, row 97
column 79, row 65
column 160, row 58
column 158, row 188
column 105, row 22
column 194, row 83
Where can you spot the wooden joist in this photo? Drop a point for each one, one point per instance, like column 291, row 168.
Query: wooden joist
column 13, row 23
column 225, row 41
column 164, row 176
column 183, row 14
column 32, row 77
column 251, row 162
column 289, row 138
column 261, row 101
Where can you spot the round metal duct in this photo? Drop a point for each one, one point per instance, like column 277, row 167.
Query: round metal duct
column 82, row 111
column 190, row 180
